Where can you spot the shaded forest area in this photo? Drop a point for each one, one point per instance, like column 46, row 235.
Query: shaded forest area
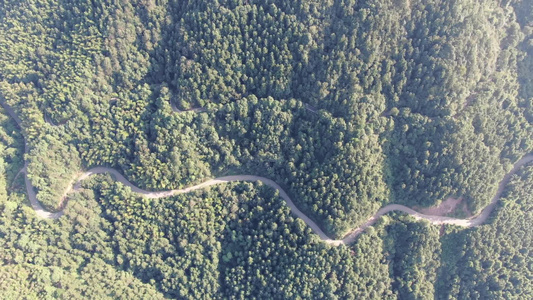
column 349, row 105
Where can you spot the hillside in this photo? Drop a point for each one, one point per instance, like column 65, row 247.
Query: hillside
column 347, row 106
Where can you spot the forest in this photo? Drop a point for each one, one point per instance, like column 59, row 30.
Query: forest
column 348, row 105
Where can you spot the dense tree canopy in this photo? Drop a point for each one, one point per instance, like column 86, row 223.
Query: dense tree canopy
column 348, row 105
column 493, row 261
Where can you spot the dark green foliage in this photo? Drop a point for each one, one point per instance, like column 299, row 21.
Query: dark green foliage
column 392, row 103
column 348, row 105
column 10, row 154
column 414, row 251
column 493, row 261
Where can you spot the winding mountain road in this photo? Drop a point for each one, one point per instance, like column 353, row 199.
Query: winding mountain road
column 349, row 238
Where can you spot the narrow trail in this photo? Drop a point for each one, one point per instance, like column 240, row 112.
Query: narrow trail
column 48, row 120
column 16, row 177
column 348, row 239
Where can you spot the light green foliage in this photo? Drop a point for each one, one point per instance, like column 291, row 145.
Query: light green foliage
column 53, row 167
column 27, row 281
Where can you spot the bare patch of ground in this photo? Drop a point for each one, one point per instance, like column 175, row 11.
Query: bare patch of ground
column 466, row 211
column 444, row 208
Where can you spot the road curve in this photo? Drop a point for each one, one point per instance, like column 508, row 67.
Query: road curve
column 349, row 238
